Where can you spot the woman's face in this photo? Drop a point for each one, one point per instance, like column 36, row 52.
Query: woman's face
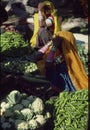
column 47, row 12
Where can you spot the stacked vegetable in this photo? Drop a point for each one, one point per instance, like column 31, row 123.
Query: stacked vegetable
column 71, row 111
column 19, row 66
column 13, row 45
column 83, row 53
column 22, row 112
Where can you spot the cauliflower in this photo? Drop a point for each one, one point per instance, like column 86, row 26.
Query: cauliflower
column 2, row 111
column 40, row 119
column 38, row 106
column 33, row 124
column 18, row 107
column 6, row 125
column 22, row 126
column 5, row 105
column 27, row 113
column 25, row 103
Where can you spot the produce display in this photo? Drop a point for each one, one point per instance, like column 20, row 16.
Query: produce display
column 83, row 53
column 39, row 110
column 19, row 66
column 22, row 112
column 71, row 111
column 13, row 45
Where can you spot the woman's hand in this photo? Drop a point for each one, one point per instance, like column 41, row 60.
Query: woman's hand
column 40, row 6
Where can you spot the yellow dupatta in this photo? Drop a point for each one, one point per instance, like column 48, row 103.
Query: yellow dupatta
column 36, row 23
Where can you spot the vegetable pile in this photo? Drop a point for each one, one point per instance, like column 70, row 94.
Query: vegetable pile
column 83, row 53
column 13, row 44
column 71, row 111
column 18, row 66
column 22, row 112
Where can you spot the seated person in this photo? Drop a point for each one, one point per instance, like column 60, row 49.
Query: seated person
column 59, row 61
column 20, row 8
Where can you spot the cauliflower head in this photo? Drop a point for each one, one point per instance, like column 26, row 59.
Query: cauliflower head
column 22, row 126
column 40, row 119
column 27, row 113
column 4, row 106
column 33, row 124
column 38, row 106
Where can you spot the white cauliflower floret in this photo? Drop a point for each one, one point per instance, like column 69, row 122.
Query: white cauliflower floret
column 2, row 111
column 25, row 103
column 27, row 113
column 6, row 125
column 18, row 107
column 3, row 104
column 40, row 119
column 38, row 106
column 22, row 126
column 33, row 124
column 4, row 107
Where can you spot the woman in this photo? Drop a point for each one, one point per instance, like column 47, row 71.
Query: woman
column 62, row 66
column 46, row 24
column 59, row 61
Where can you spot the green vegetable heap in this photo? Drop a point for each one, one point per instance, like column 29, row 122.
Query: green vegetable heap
column 83, row 53
column 13, row 44
column 22, row 112
column 71, row 111
column 19, row 66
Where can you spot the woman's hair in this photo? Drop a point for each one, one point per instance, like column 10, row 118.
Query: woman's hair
column 46, row 7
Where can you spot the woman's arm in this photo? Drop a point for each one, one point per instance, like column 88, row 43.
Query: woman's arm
column 36, row 56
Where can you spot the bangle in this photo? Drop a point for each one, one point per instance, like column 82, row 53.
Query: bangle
column 49, row 43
